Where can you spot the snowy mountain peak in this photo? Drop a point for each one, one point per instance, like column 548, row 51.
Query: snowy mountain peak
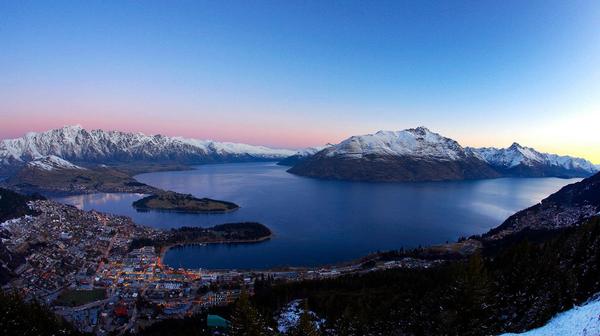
column 422, row 130
column 415, row 142
column 515, row 145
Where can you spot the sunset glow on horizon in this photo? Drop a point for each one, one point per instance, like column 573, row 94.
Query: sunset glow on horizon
column 291, row 76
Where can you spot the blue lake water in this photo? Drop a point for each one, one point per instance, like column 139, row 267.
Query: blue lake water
column 318, row 222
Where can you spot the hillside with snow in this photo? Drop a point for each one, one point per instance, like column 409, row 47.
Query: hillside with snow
column 76, row 144
column 583, row 320
column 51, row 162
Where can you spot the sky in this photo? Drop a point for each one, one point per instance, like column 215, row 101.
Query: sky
column 293, row 74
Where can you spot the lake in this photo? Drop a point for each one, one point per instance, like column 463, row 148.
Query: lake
column 317, row 222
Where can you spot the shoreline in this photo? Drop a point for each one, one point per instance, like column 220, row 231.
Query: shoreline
column 202, row 212
column 164, row 249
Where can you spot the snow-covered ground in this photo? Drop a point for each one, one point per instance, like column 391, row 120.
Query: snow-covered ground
column 290, row 316
column 579, row 321
column 13, row 221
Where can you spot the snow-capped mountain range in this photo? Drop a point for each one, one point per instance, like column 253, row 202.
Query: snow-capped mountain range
column 418, row 154
column 516, row 155
column 76, row 144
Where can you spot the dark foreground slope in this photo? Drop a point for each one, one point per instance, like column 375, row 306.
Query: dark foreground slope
column 30, row 318
column 13, row 205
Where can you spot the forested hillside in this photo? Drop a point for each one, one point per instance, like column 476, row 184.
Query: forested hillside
column 515, row 285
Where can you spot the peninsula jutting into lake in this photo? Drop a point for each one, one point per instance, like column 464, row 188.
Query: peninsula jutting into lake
column 176, row 202
column 248, row 232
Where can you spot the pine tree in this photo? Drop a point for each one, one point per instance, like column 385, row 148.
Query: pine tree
column 245, row 319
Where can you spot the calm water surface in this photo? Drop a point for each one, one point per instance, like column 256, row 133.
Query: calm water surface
column 320, row 222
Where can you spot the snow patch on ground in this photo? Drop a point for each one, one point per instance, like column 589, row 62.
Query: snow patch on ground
column 290, row 316
column 11, row 222
column 579, row 321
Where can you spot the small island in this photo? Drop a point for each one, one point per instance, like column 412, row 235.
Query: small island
column 176, row 202
column 244, row 232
